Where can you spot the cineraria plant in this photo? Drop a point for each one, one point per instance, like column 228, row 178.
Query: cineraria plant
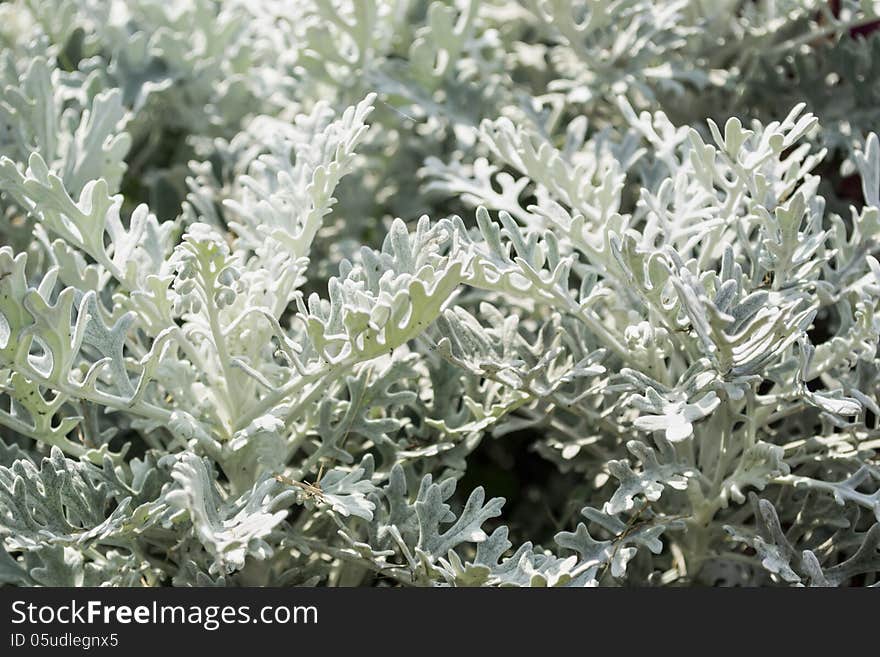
column 298, row 292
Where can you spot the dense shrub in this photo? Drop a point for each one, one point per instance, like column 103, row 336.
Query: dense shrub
column 297, row 292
